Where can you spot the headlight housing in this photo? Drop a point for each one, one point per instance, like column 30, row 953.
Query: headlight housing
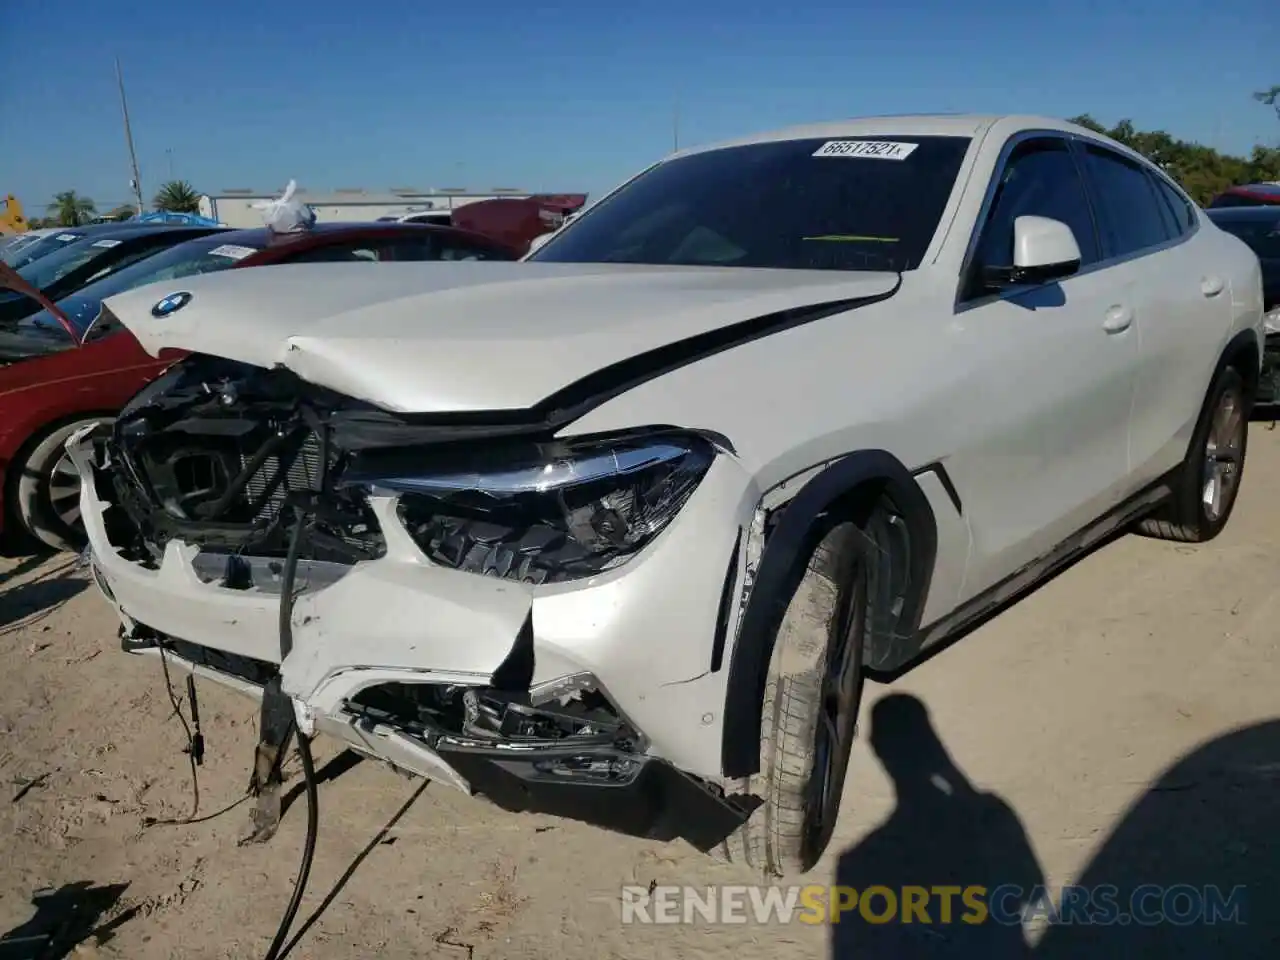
column 1271, row 321
column 551, row 512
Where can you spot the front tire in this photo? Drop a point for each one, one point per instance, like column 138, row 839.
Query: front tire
column 46, row 496
column 1205, row 489
column 811, row 701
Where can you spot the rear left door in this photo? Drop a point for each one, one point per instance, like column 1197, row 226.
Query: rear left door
column 1181, row 296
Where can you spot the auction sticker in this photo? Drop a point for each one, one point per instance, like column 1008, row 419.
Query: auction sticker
column 106, row 243
column 232, row 251
column 67, row 237
column 879, row 149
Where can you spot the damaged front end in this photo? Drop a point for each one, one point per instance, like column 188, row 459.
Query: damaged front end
column 573, row 756
column 382, row 570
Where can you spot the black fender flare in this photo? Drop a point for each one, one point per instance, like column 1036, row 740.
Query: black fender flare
column 1243, row 344
column 785, row 549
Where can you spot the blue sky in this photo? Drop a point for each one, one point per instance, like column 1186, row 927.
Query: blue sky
column 570, row 95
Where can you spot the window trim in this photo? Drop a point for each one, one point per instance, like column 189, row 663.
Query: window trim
column 1163, row 179
column 1167, row 213
column 1011, row 144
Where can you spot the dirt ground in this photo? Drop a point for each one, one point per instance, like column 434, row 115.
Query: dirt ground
column 1073, row 707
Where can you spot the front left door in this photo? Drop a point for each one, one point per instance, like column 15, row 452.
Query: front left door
column 1048, row 370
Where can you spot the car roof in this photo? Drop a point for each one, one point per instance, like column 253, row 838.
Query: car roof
column 906, row 124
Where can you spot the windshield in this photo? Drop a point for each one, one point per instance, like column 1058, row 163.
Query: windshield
column 48, row 270
column 205, row 255
column 9, row 249
column 188, row 259
column 41, row 248
column 81, row 311
column 814, row 204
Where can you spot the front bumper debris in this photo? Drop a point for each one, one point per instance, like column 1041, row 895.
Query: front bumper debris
column 596, row 773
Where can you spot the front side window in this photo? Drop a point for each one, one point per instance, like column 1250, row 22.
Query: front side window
column 852, row 203
column 1039, row 179
column 1129, row 210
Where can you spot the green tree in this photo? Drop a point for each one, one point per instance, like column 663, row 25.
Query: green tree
column 1270, row 97
column 69, row 209
column 178, row 196
column 1202, row 171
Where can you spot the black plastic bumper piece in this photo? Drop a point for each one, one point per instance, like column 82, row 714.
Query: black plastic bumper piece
column 649, row 799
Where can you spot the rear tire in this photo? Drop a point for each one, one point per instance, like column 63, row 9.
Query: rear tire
column 46, row 496
column 810, row 710
column 1207, row 483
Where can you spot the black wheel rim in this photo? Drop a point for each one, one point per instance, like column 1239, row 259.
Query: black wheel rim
column 841, row 696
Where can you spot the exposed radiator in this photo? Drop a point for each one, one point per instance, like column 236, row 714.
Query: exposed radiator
column 303, row 475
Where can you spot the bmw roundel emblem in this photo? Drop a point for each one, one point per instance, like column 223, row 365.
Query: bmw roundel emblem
column 171, row 304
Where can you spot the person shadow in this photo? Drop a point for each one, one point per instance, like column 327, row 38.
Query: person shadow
column 943, row 833
column 1193, row 867
column 64, row 918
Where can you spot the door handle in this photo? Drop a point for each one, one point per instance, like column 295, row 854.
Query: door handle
column 1212, row 286
column 1118, row 319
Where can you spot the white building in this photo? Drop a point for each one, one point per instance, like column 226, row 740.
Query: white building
column 235, row 207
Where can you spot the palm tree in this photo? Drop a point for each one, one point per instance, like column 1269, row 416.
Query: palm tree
column 70, row 209
column 178, row 196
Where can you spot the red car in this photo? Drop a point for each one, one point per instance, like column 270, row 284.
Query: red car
column 1248, row 195
column 69, row 364
column 517, row 222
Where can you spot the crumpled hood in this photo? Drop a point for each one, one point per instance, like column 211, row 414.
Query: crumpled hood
column 466, row 336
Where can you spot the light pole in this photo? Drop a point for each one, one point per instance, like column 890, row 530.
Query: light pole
column 136, row 183
column 168, row 152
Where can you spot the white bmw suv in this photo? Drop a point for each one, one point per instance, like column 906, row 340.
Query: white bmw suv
column 617, row 532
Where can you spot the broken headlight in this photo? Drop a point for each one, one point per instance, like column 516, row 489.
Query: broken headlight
column 552, row 512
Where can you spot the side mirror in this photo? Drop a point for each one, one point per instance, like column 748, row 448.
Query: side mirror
column 1044, row 250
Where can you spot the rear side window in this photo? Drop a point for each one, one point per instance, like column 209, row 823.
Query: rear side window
column 1129, row 209
column 1184, row 217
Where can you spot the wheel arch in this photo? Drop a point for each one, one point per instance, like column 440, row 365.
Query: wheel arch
column 852, row 481
column 1244, row 353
